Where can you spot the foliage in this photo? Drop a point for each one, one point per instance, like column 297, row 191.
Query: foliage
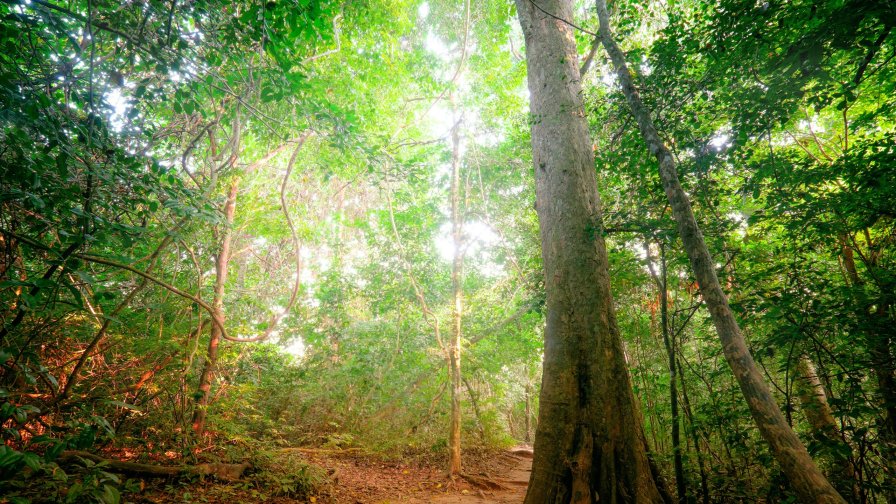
column 127, row 126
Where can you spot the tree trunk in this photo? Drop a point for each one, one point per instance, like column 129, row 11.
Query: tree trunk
column 228, row 472
column 805, row 477
column 454, row 464
column 528, row 435
column 877, row 329
column 681, row 483
column 814, row 404
column 814, row 400
column 222, row 263
column 695, row 438
column 879, row 341
column 589, row 442
column 476, row 411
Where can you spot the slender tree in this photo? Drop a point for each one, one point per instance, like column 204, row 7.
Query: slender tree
column 669, row 343
column 454, row 460
column 805, row 477
column 589, row 443
column 222, row 265
column 817, row 409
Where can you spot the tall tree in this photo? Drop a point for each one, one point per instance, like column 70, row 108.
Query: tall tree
column 457, row 294
column 222, row 266
column 589, row 443
column 669, row 344
column 805, row 477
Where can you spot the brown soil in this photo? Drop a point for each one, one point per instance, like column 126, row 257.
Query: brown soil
column 489, row 478
column 357, row 478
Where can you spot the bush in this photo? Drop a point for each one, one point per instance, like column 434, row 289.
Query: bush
column 286, row 474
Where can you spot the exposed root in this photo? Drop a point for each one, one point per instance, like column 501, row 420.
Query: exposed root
column 484, row 482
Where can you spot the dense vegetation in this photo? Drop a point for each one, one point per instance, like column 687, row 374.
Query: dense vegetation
column 233, row 227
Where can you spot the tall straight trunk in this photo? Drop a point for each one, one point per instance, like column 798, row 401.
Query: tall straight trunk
column 589, row 441
column 880, row 343
column 681, row 483
column 222, row 263
column 695, row 439
column 805, row 477
column 528, row 435
column 454, row 462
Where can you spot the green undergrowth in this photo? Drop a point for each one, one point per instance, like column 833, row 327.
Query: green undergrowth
column 285, row 473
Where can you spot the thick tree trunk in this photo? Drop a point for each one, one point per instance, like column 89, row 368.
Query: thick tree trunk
column 454, row 462
column 222, row 263
column 805, row 477
column 589, row 442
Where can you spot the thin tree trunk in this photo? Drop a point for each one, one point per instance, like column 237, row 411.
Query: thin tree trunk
column 695, row 438
column 805, row 477
column 454, row 461
column 104, row 327
column 878, row 339
column 222, row 263
column 476, row 411
column 589, row 442
column 814, row 400
column 527, row 424
column 814, row 404
column 885, row 370
column 681, row 483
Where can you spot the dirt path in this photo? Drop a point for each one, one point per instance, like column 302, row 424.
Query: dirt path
column 496, row 478
column 355, row 478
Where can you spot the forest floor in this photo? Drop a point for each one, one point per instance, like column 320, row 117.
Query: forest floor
column 494, row 477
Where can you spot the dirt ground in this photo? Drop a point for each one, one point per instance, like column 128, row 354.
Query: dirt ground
column 355, row 478
column 488, row 478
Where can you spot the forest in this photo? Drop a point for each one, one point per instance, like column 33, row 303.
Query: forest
column 433, row 251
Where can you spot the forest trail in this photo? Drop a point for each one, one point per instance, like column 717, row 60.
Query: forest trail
column 495, row 477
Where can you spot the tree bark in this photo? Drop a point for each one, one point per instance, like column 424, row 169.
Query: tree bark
column 877, row 328
column 695, row 439
column 814, row 404
column 222, row 263
column 589, row 442
column 528, row 435
column 228, row 472
column 454, row 461
column 681, row 483
column 805, row 477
